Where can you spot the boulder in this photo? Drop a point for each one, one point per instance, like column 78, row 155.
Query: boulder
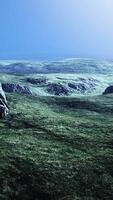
column 108, row 90
column 80, row 87
column 57, row 89
column 3, row 104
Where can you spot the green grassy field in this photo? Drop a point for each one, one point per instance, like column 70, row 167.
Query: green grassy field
column 57, row 148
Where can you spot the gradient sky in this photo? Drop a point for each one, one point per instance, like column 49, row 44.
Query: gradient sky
column 50, row 29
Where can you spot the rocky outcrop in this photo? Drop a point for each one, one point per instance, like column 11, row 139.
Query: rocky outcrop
column 82, row 85
column 108, row 90
column 77, row 86
column 16, row 88
column 57, row 89
column 3, row 104
column 37, row 81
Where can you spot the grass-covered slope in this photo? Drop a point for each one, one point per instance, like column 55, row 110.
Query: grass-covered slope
column 57, row 149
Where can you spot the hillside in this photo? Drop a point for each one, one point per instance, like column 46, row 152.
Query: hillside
column 56, row 141
column 74, row 65
column 57, row 148
column 69, row 77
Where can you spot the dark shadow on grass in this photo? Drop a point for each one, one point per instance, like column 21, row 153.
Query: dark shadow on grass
column 24, row 180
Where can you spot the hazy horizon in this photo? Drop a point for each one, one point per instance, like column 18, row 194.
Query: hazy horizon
column 34, row 30
column 54, row 59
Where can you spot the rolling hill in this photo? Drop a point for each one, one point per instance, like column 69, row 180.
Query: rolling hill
column 56, row 148
column 73, row 65
column 56, row 143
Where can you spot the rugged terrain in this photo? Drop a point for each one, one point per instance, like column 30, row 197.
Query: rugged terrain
column 69, row 77
column 57, row 147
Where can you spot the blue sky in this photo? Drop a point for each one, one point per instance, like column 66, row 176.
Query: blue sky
column 51, row 29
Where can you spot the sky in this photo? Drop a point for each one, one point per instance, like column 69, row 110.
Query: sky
column 55, row 29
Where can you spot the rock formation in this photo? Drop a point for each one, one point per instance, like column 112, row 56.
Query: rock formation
column 37, row 81
column 3, row 104
column 57, row 89
column 16, row 88
column 108, row 90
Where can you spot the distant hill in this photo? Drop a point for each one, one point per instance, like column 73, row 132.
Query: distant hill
column 74, row 65
column 68, row 77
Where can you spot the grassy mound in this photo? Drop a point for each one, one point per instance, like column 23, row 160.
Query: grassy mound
column 57, row 149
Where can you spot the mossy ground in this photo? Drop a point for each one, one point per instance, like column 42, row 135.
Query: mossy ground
column 57, row 149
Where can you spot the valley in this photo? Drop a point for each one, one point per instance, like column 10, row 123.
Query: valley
column 56, row 142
